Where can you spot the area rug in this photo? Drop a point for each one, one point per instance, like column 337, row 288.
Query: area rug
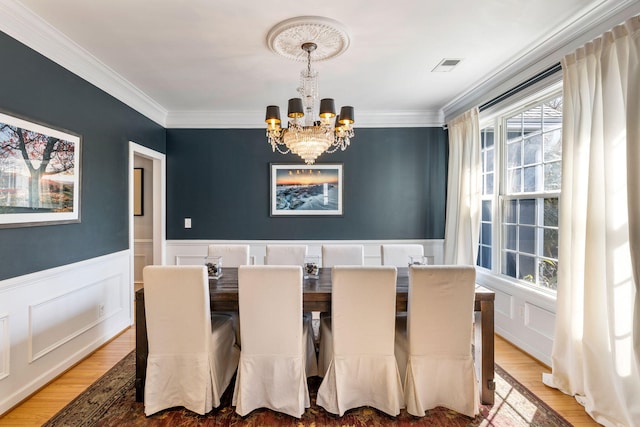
column 110, row 401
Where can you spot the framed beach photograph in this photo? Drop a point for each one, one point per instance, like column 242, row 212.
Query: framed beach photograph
column 306, row 189
column 39, row 174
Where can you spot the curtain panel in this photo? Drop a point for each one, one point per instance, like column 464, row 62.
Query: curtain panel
column 596, row 351
column 464, row 190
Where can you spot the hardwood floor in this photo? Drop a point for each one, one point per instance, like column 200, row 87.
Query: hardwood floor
column 45, row 403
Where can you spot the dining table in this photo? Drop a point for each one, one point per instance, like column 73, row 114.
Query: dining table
column 223, row 292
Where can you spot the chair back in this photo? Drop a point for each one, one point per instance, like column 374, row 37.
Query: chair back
column 342, row 255
column 270, row 301
column 398, row 254
column 285, row 254
column 363, row 308
column 177, row 309
column 233, row 255
column 440, row 309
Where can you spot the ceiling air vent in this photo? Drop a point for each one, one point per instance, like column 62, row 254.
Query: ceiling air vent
column 446, row 65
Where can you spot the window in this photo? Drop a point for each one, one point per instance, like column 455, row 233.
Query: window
column 521, row 169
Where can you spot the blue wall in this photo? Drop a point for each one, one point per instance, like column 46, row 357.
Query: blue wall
column 394, row 186
column 35, row 88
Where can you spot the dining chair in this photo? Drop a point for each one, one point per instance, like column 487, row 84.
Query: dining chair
column 277, row 352
column 192, row 355
column 398, row 254
column 338, row 254
column 433, row 341
column 285, row 254
column 233, row 255
column 357, row 341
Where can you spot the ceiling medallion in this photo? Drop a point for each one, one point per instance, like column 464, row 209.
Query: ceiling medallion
column 328, row 35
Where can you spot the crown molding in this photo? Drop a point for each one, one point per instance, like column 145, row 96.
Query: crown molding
column 244, row 120
column 22, row 24
column 587, row 25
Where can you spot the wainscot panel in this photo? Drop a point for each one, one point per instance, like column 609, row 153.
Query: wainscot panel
column 524, row 316
column 58, row 317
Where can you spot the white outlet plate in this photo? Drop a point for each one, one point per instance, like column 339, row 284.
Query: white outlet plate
column 187, row 223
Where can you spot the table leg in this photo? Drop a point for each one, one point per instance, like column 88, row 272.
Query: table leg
column 487, row 368
column 142, row 346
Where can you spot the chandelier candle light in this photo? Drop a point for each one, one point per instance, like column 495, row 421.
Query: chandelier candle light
column 304, row 136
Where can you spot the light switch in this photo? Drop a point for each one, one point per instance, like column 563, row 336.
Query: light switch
column 187, row 223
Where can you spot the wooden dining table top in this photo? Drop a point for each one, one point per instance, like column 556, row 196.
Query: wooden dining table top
column 316, row 291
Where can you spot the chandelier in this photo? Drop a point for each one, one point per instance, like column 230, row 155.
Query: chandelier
column 306, row 135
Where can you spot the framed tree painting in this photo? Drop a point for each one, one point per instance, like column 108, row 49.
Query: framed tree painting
column 39, row 174
column 306, row 189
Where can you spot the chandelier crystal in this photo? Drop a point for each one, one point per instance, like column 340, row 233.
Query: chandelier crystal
column 304, row 136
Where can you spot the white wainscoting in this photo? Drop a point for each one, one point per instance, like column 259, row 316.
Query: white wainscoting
column 523, row 315
column 188, row 252
column 52, row 319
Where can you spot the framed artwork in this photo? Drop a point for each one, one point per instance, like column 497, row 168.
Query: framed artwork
column 39, row 174
column 306, row 189
column 138, row 191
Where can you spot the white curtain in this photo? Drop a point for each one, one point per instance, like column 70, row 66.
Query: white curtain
column 596, row 352
column 464, row 190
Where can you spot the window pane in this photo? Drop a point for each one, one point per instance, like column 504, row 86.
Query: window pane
column 552, row 176
column 550, row 246
column 552, row 114
column 552, row 145
column 514, row 181
column 527, row 268
column 510, row 213
column 511, row 237
column 486, row 234
column 532, row 120
column 548, row 273
column 509, row 267
column 514, row 154
column 488, row 184
column 485, row 255
column 533, row 150
column 550, row 212
column 489, row 161
column 514, row 127
column 487, row 137
column 527, row 240
column 486, row 210
column 528, row 211
column 532, row 179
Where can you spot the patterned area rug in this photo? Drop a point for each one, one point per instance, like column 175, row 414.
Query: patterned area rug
column 110, row 401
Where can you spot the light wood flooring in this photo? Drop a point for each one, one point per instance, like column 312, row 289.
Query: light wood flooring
column 49, row 400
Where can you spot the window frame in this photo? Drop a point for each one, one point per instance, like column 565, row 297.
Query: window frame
column 496, row 117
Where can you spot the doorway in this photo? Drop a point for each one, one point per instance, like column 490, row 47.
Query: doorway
column 147, row 211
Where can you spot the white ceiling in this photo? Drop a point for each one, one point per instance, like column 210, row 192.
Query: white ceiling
column 206, row 63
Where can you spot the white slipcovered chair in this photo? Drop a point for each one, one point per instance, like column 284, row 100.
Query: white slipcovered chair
column 358, row 342
column 233, row 255
column 339, row 254
column 433, row 342
column 277, row 347
column 192, row 355
column 285, row 254
column 398, row 254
